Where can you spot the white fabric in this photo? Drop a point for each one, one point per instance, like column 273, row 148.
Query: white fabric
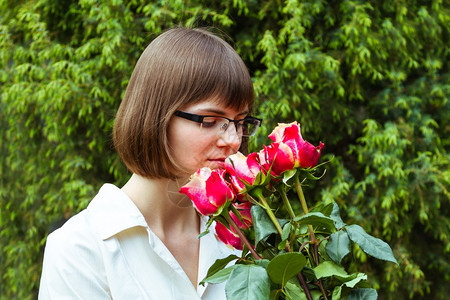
column 107, row 251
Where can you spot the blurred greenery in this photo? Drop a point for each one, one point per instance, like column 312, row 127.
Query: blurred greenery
column 370, row 79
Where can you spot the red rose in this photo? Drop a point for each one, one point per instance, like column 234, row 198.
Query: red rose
column 242, row 169
column 208, row 191
column 305, row 155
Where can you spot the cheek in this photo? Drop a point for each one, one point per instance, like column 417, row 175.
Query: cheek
column 176, row 141
column 199, row 149
column 189, row 149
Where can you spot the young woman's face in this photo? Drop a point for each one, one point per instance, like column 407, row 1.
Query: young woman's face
column 195, row 145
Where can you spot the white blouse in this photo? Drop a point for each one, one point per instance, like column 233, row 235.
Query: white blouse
column 107, row 251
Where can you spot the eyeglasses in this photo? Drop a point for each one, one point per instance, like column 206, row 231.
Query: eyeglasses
column 247, row 126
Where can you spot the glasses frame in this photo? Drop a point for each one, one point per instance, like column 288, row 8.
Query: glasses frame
column 199, row 119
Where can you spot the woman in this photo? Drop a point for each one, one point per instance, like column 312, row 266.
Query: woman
column 186, row 106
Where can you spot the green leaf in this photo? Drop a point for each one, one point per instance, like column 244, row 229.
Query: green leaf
column 262, row 263
column 203, row 234
column 316, row 295
column 288, row 175
column 337, row 292
column 260, row 179
column 369, row 244
column 309, row 174
column 363, row 294
column 294, row 290
column 316, row 219
column 325, row 209
column 337, row 217
column 219, row 264
column 338, row 246
column 285, row 266
column 248, row 282
column 286, row 231
column 352, row 283
column 328, row 269
column 219, row 276
column 262, row 224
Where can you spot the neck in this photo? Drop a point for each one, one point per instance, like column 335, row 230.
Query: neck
column 163, row 207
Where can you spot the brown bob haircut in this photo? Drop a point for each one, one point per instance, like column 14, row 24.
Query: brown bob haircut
column 181, row 66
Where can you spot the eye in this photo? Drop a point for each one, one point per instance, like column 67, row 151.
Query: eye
column 209, row 122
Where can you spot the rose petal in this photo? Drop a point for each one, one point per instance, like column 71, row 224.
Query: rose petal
column 309, row 154
column 279, row 156
column 228, row 237
column 292, row 132
column 284, row 131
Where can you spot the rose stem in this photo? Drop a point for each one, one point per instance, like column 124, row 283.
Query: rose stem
column 287, row 203
column 288, row 206
column 305, row 286
column 270, row 213
column 301, row 196
column 241, row 236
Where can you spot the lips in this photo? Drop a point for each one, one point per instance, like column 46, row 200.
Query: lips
column 217, row 162
column 217, row 159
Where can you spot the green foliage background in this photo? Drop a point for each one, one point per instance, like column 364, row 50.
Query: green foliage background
column 369, row 79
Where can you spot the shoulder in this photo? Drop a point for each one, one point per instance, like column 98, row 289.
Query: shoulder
column 109, row 213
column 76, row 232
column 73, row 264
column 75, row 247
column 78, row 237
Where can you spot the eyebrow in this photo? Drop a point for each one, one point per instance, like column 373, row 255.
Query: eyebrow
column 220, row 112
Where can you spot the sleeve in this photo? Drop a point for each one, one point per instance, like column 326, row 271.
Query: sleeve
column 73, row 266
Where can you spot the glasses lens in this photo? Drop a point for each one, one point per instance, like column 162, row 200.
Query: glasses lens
column 214, row 124
column 250, row 126
column 218, row 125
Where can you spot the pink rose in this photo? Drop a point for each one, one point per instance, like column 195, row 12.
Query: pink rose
column 305, row 154
column 279, row 156
column 228, row 237
column 208, row 190
column 242, row 168
column 286, row 132
column 244, row 211
column 309, row 154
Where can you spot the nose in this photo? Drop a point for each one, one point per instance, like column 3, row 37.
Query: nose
column 230, row 138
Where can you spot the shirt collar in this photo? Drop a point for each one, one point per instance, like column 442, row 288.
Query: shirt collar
column 113, row 211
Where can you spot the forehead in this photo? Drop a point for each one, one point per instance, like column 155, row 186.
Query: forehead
column 217, row 107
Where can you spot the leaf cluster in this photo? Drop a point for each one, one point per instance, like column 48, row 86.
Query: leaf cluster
column 289, row 263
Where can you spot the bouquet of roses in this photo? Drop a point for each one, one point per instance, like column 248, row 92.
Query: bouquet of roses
column 285, row 254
